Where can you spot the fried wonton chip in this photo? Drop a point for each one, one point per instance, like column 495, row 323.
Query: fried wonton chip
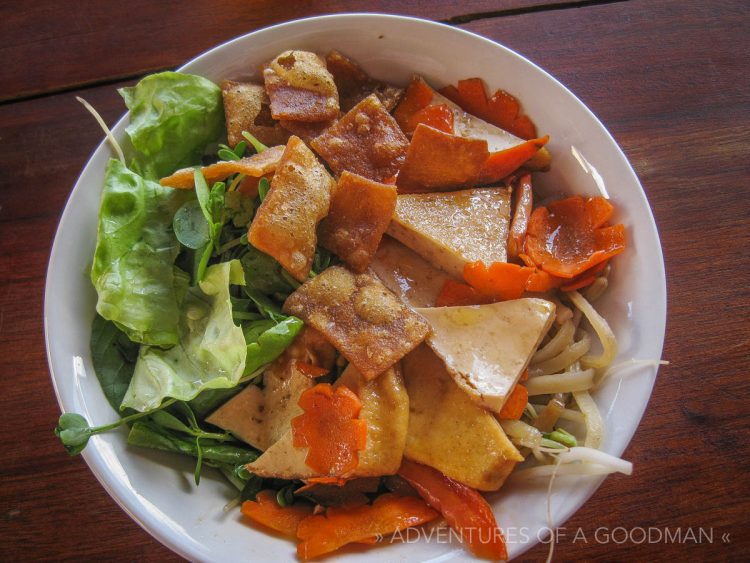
column 285, row 223
column 354, row 84
column 366, row 141
column 437, row 161
column 246, row 107
column 256, row 166
column 301, row 88
column 306, row 131
column 361, row 211
column 260, row 417
column 358, row 315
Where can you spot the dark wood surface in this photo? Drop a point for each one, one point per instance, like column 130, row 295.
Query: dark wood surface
column 669, row 80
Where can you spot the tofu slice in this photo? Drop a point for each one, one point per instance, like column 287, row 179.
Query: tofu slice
column 486, row 347
column 407, row 274
column 449, row 431
column 472, row 127
column 385, row 409
column 452, row 229
column 260, row 417
column 358, row 315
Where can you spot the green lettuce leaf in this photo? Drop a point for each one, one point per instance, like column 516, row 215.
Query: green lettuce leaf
column 138, row 286
column 266, row 340
column 173, row 116
column 210, row 355
column 113, row 355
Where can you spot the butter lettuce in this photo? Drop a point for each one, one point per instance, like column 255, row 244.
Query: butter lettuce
column 267, row 339
column 173, row 117
column 211, row 352
column 138, row 286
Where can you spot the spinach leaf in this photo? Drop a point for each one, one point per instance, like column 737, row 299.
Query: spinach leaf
column 263, row 273
column 190, row 226
column 133, row 272
column 113, row 355
column 173, row 116
column 211, row 399
column 268, row 345
column 150, row 435
column 211, row 352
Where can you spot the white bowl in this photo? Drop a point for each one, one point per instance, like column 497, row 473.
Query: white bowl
column 156, row 489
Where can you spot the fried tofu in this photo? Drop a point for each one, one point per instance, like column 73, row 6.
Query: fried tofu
column 385, row 409
column 354, row 84
column 261, row 417
column 254, row 166
column 438, row 161
column 360, row 317
column 486, row 348
column 366, row 141
column 452, row 229
column 246, row 107
column 414, row 280
column 286, row 222
column 307, row 131
column 448, row 431
column 300, row 87
column 360, row 212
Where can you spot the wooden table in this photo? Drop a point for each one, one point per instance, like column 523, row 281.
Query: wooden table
column 670, row 81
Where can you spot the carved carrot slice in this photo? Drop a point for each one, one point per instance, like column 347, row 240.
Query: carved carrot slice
column 329, row 427
column 265, row 510
column 439, row 116
column 418, row 96
column 389, row 513
column 455, row 294
column 501, row 281
column 568, row 237
column 464, row 508
column 515, row 403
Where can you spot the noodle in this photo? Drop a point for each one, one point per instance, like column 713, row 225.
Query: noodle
column 561, row 382
column 522, row 434
column 592, row 418
column 545, row 471
column 566, row 414
column 600, row 326
column 565, row 359
column 557, row 344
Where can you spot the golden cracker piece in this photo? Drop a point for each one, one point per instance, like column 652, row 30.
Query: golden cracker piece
column 354, row 84
column 246, row 107
column 360, row 212
column 300, row 87
column 360, row 317
column 285, row 224
column 366, row 141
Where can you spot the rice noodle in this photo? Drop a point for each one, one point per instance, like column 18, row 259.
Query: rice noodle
column 564, row 359
column 596, row 289
column 550, row 413
column 557, row 344
column 565, row 414
column 592, row 419
column 565, row 382
column 107, row 132
column 522, row 434
column 563, row 313
column 603, row 331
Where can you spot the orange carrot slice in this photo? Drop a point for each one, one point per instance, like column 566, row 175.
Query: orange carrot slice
column 265, row 510
column 418, row 96
column 568, row 237
column 502, row 163
column 515, row 403
column 501, row 281
column 524, row 203
column 389, row 513
column 440, row 117
column 329, row 427
column 465, row 509
column 454, row 294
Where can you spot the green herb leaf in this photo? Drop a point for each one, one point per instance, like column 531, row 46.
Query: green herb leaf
column 190, row 225
column 264, row 274
column 227, row 154
column 257, row 145
column 113, row 355
column 263, row 186
column 74, row 432
column 253, row 486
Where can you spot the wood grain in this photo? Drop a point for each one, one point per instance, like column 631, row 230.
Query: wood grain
column 59, row 44
column 668, row 79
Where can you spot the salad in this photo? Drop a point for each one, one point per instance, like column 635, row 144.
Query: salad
column 347, row 298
